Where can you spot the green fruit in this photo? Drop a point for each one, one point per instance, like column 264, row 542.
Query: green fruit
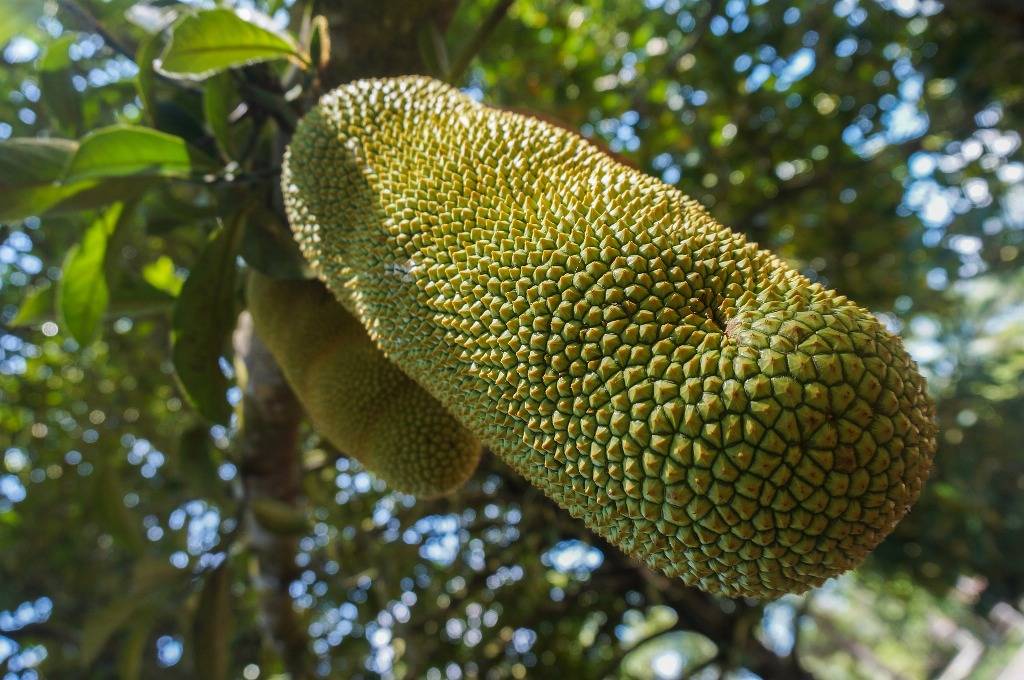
column 354, row 397
column 691, row 398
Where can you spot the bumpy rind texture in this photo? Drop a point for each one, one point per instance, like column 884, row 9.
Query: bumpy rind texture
column 354, row 397
column 691, row 398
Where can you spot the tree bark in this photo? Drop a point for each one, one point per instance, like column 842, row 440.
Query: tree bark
column 368, row 38
column 268, row 445
column 377, row 38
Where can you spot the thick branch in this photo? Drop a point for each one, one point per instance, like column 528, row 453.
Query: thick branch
column 85, row 18
column 478, row 41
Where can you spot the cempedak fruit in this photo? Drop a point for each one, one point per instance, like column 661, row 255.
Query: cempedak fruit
column 691, row 398
column 354, row 397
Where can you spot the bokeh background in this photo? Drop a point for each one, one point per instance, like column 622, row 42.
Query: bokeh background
column 875, row 144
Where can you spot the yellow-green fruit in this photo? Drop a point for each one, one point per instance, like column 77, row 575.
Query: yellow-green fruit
column 354, row 397
column 691, row 398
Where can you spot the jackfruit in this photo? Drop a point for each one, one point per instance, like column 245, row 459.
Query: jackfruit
column 354, row 397
column 691, row 398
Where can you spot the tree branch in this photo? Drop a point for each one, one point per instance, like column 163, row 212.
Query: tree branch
column 477, row 42
column 268, row 446
column 93, row 24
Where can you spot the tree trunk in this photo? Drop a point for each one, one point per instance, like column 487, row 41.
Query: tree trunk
column 375, row 38
column 368, row 38
column 271, row 472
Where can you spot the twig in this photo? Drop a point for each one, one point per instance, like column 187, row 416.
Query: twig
column 272, row 104
column 475, row 44
column 94, row 25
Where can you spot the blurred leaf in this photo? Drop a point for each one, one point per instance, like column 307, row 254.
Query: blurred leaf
column 100, row 625
column 115, row 518
column 152, row 573
column 269, row 248
column 218, row 100
column 31, row 173
column 96, row 194
column 56, row 57
column 150, row 579
column 38, row 305
column 204, row 317
column 30, row 170
column 181, row 115
column 131, row 297
column 25, row 162
column 84, row 292
column 196, row 463
column 128, row 298
column 63, row 102
column 279, row 517
column 130, row 657
column 125, row 150
column 162, row 275
column 210, row 41
column 213, row 626
column 59, row 95
column 164, row 212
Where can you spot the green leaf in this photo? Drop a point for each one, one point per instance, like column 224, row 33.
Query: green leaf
column 28, row 162
column 127, row 150
column 164, row 211
column 162, row 275
column 61, row 100
column 218, row 100
column 210, row 41
column 96, row 194
column 204, row 317
column 128, row 298
column 269, row 248
column 213, row 626
column 56, row 57
column 132, row 297
column 37, row 306
column 29, row 173
column 84, row 292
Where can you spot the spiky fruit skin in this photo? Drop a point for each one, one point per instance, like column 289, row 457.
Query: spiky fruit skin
column 354, row 397
column 691, row 398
